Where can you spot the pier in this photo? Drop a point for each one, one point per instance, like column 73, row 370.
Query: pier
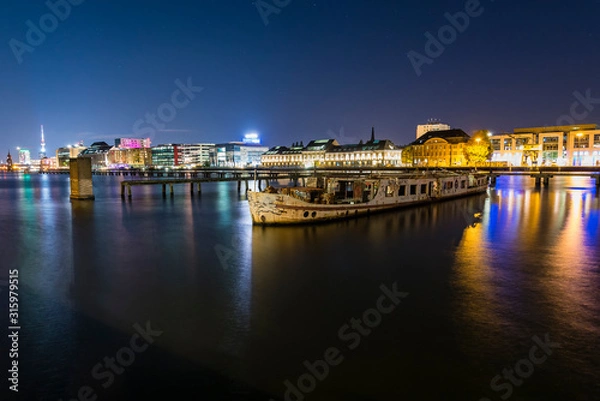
column 195, row 183
column 264, row 175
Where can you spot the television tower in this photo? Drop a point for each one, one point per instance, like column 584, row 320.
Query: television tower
column 43, row 145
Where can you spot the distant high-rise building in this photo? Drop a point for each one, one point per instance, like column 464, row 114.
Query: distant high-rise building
column 43, row 145
column 432, row 125
column 24, row 156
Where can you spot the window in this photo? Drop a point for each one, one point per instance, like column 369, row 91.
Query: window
column 413, row 189
column 463, row 184
column 508, row 144
column 581, row 141
column 402, row 190
column 423, row 188
column 389, row 191
column 597, row 141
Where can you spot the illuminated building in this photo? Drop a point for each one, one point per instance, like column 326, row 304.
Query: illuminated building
column 183, row 155
column 440, row 149
column 328, row 152
column 432, row 125
column 310, row 155
column 377, row 153
column 569, row 145
column 132, row 143
column 239, row 154
column 166, row 155
column 197, row 154
column 129, row 157
column 251, row 138
column 98, row 152
column 24, row 156
column 64, row 154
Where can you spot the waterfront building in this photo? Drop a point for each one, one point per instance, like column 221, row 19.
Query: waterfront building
column 129, row 157
column 432, row 125
column 166, row 155
column 298, row 155
column 98, row 152
column 570, row 145
column 282, row 156
column 183, row 155
column 440, row 149
column 47, row 163
column 65, row 154
column 132, row 143
column 515, row 149
column 328, row 152
column 239, row 154
column 374, row 153
column 197, row 155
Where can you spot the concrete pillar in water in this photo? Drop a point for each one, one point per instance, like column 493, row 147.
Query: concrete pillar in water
column 81, row 178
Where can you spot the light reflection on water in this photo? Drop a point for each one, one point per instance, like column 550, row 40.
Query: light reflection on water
column 252, row 303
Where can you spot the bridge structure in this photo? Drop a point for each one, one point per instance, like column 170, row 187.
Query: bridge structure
column 544, row 174
column 265, row 175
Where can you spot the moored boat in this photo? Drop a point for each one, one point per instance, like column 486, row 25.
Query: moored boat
column 331, row 198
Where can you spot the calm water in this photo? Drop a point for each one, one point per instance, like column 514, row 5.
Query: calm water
column 241, row 308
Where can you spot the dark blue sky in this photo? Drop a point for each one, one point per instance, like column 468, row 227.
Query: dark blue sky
column 316, row 67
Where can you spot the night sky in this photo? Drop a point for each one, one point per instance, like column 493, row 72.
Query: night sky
column 317, row 69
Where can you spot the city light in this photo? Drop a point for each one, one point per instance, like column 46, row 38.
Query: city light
column 251, row 137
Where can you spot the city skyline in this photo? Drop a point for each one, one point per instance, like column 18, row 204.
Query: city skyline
column 215, row 71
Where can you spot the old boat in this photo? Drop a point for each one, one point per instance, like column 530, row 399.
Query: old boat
column 331, row 198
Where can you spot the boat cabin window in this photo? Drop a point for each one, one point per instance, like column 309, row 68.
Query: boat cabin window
column 389, row 191
column 423, row 188
column 402, row 190
column 413, row 189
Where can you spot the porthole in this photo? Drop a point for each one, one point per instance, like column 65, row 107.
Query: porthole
column 314, row 214
column 305, row 214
